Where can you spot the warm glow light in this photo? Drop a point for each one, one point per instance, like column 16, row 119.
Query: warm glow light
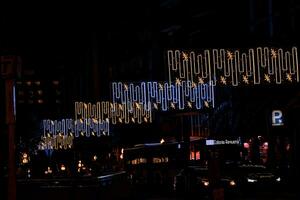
column 232, row 183
column 212, row 64
column 223, row 80
column 205, row 183
column 95, row 158
column 114, row 112
column 162, row 141
column 62, row 167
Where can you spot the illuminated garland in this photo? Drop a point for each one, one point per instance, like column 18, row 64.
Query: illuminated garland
column 181, row 95
column 85, row 127
column 116, row 112
column 56, row 142
column 255, row 66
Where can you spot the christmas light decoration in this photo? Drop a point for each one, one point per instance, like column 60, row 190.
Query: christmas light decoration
column 163, row 95
column 78, row 127
column 56, row 142
column 254, row 66
column 115, row 112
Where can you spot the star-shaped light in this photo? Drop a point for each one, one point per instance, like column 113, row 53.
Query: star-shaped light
column 138, row 106
column 200, row 80
column 223, row 80
column 267, row 78
column 145, row 119
column 273, row 53
column 178, row 82
column 185, row 56
column 206, row 104
column 172, row 105
column 194, row 85
column 229, row 55
column 245, row 79
column 125, row 87
column 289, row 77
column 160, row 86
column 189, row 104
column 120, row 120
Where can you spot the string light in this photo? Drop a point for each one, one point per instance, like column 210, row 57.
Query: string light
column 160, row 95
column 83, row 127
column 56, row 142
column 211, row 65
column 114, row 112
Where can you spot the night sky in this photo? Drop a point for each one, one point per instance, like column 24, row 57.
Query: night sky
column 127, row 41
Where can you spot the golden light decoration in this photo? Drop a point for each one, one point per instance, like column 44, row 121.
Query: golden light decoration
column 194, row 85
column 200, row 80
column 172, row 105
column 273, row 53
column 229, row 55
column 289, row 77
column 120, row 120
column 178, row 81
column 267, row 78
column 125, row 87
column 206, row 104
column 137, row 106
column 245, row 79
column 211, row 64
column 160, row 86
column 223, row 80
column 56, row 142
column 145, row 119
column 185, row 56
column 189, row 104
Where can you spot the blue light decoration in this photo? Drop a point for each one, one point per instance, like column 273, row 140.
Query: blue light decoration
column 114, row 112
column 262, row 65
column 163, row 95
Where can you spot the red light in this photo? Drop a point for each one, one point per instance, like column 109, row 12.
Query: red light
column 246, row 145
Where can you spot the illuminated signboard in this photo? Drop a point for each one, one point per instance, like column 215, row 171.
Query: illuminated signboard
column 211, row 142
column 277, row 119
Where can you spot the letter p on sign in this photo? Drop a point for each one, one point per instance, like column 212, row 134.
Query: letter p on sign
column 277, row 118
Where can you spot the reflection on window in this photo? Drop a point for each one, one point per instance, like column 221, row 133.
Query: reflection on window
column 160, row 160
column 195, row 155
column 138, row 161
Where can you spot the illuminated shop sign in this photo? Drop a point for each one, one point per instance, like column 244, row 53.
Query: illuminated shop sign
column 211, row 142
column 277, row 119
column 233, row 67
